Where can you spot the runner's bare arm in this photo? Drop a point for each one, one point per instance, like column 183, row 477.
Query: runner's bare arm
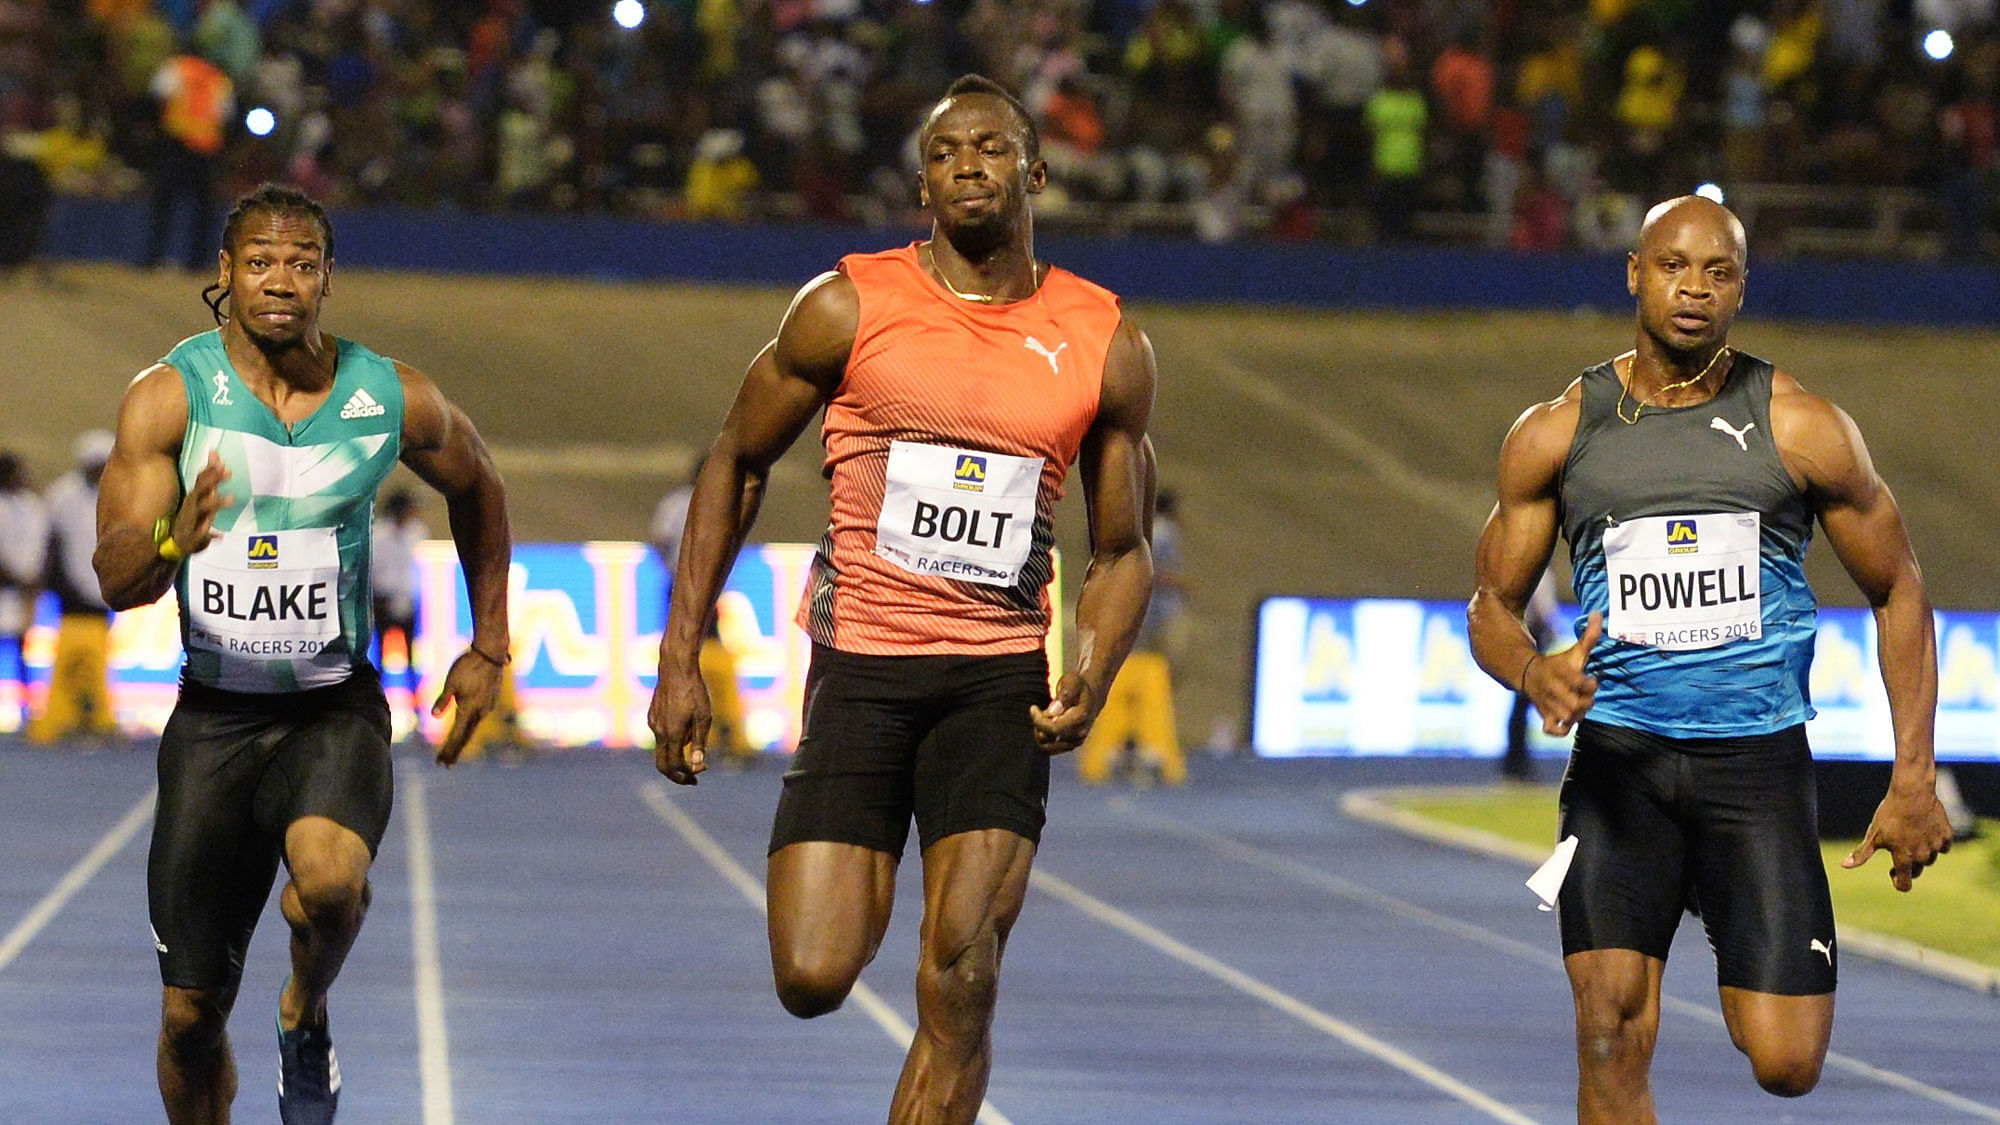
column 1824, row 450
column 785, row 386
column 441, row 445
column 142, row 485
column 1117, row 468
column 1514, row 549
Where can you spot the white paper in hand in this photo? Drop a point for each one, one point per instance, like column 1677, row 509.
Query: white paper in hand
column 1547, row 880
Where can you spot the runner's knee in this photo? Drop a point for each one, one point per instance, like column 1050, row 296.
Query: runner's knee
column 1613, row 1042
column 330, row 894
column 967, row 980
column 1788, row 1070
column 813, row 983
column 1613, row 1027
column 193, row 1020
column 329, row 866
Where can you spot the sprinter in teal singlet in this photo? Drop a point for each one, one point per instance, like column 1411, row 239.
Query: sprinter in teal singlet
column 244, row 476
column 1686, row 477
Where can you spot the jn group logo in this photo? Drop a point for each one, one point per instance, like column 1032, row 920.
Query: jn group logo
column 1682, row 537
column 970, row 475
column 263, row 551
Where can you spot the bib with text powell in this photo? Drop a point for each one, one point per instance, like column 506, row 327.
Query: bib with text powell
column 1687, row 532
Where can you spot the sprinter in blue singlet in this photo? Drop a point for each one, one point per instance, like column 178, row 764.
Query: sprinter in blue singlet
column 1686, row 477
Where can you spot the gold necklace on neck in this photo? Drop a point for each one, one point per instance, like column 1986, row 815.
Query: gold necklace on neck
column 937, row 271
column 1640, row 408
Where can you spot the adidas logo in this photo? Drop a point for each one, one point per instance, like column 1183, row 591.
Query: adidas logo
column 362, row 405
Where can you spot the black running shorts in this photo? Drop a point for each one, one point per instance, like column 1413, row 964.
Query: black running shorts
column 235, row 771
column 944, row 739
column 1725, row 827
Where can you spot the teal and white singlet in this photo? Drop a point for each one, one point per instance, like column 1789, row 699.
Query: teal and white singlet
column 1689, row 535
column 280, row 602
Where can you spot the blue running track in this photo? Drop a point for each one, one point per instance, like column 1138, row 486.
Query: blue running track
column 567, row 940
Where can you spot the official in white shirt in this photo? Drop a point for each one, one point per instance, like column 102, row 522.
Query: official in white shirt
column 24, row 540
column 79, row 700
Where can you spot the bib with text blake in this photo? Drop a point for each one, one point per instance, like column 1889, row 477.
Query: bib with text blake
column 956, row 513
column 1684, row 582
column 265, row 595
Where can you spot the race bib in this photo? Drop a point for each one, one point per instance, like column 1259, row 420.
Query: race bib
column 1682, row 583
column 954, row 513
column 265, row 595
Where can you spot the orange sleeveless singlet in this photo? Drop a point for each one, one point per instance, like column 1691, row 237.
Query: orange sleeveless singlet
column 935, row 389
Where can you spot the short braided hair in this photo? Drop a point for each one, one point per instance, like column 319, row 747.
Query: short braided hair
column 270, row 199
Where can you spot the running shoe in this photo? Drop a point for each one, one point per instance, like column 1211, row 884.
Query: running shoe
column 308, row 1077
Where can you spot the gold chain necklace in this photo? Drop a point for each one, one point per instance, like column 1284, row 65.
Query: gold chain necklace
column 1619, row 408
column 937, row 271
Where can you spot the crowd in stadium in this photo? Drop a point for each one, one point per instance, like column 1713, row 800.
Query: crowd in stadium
column 1540, row 123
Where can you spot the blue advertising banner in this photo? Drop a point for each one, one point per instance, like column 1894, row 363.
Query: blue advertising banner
column 586, row 622
column 1394, row 677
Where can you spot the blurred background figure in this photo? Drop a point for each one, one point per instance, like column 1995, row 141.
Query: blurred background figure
column 398, row 529
column 718, row 664
column 24, row 203
column 79, row 699
column 1540, row 219
column 1255, row 85
column 1540, row 618
column 196, row 100
column 502, row 726
column 227, row 36
column 1970, row 129
column 24, row 537
column 1397, row 117
column 721, row 178
column 1139, row 714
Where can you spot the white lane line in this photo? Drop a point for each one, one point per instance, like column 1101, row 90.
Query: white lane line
column 1341, row 888
column 1284, row 1002
column 86, row 868
column 1384, row 807
column 1303, row 873
column 867, row 999
column 433, row 1045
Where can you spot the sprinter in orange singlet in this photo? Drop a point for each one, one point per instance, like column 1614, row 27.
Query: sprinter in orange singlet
column 960, row 378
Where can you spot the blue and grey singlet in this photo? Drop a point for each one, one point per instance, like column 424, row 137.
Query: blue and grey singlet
column 1689, row 535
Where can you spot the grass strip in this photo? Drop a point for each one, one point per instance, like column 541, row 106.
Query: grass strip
column 1955, row 906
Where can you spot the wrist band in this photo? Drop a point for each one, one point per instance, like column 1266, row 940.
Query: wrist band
column 164, row 542
column 475, row 650
column 1524, row 671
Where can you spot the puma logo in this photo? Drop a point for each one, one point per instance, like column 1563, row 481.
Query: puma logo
column 1042, row 350
column 1732, row 431
column 1818, row 946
